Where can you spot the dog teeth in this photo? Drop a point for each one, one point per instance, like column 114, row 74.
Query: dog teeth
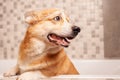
column 68, row 39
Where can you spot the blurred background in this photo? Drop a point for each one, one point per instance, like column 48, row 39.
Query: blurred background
column 99, row 21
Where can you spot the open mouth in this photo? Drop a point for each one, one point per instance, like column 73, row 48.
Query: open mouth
column 58, row 40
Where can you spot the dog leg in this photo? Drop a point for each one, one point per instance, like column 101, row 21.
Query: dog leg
column 11, row 72
column 32, row 75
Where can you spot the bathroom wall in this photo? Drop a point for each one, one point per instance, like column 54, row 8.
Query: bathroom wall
column 87, row 14
column 112, row 28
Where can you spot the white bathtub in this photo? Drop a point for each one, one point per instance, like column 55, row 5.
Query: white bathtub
column 87, row 68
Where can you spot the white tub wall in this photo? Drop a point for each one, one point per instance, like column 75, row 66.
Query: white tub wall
column 85, row 67
column 87, row 14
column 89, row 70
column 98, row 67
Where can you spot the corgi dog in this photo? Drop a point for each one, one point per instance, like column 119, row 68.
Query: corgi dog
column 41, row 52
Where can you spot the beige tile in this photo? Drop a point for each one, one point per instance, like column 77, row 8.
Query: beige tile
column 87, row 14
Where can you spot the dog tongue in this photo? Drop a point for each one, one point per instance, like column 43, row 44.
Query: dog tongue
column 59, row 40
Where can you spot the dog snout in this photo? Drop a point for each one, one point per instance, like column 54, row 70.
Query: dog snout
column 75, row 30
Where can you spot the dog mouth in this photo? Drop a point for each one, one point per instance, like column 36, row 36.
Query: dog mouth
column 59, row 40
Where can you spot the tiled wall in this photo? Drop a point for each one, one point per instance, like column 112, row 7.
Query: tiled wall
column 85, row 13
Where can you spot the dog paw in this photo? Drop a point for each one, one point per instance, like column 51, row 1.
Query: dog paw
column 9, row 73
column 30, row 76
column 26, row 78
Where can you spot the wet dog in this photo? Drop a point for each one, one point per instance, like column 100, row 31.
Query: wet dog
column 42, row 52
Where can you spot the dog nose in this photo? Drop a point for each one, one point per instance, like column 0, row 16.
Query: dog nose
column 76, row 30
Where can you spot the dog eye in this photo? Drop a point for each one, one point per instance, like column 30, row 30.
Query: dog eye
column 57, row 18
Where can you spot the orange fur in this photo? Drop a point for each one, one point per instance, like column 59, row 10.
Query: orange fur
column 37, row 53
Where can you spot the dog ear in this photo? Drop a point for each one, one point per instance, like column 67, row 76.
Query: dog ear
column 30, row 17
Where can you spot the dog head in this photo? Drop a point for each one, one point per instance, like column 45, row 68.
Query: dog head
column 52, row 26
